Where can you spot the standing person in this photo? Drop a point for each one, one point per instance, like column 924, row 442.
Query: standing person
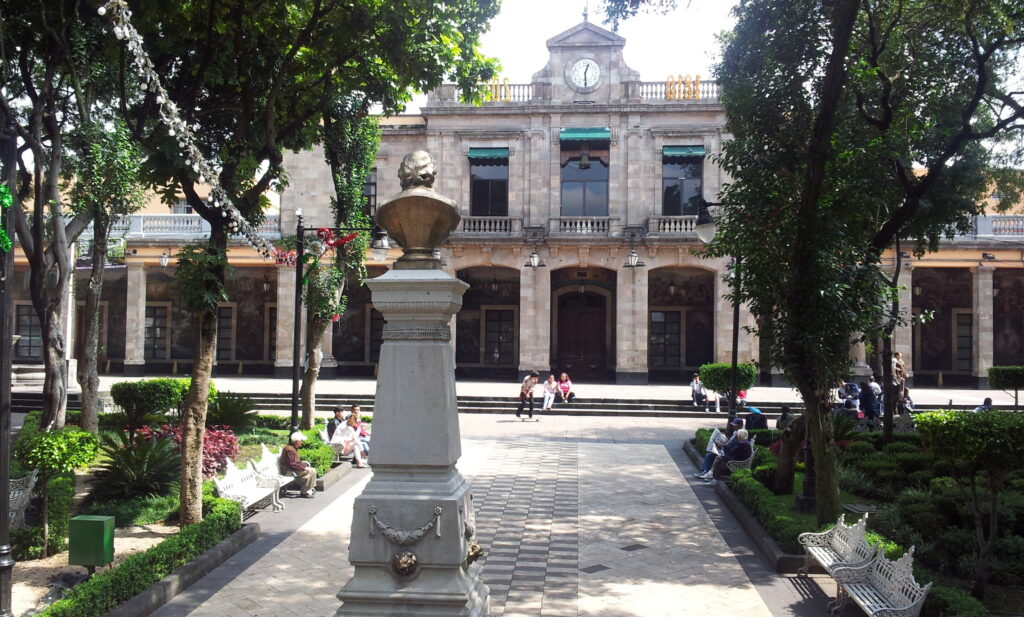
column 868, row 404
column 698, row 392
column 526, row 393
column 550, row 389
column 565, row 393
column 899, row 374
column 290, row 464
column 875, row 386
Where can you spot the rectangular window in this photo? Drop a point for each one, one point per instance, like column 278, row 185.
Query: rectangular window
column 584, row 178
column 964, row 341
column 665, row 339
column 488, row 173
column 370, row 193
column 681, row 182
column 181, row 207
column 30, row 343
column 225, row 333
column 157, row 332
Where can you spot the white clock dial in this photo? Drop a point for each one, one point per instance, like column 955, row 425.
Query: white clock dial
column 585, row 74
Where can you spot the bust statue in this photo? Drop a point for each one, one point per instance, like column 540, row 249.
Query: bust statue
column 417, row 169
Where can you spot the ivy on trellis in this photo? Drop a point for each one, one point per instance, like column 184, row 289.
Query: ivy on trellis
column 6, row 200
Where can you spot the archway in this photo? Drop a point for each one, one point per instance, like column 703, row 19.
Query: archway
column 487, row 325
column 583, row 337
column 681, row 316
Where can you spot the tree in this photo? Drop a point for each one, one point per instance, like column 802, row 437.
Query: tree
column 53, row 76
column 53, row 452
column 257, row 80
column 718, row 377
column 106, row 186
column 1007, row 378
column 350, row 142
column 979, row 451
column 854, row 126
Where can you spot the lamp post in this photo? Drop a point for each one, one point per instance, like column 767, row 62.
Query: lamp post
column 378, row 247
column 8, row 153
column 706, row 228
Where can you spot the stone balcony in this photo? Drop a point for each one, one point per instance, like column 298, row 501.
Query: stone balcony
column 175, row 227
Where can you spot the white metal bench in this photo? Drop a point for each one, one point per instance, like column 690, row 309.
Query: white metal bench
column 746, row 463
column 843, row 545
column 342, row 452
column 247, row 487
column 20, row 493
column 881, row 587
column 269, row 466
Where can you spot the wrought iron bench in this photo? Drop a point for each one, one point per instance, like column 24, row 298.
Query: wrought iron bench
column 20, row 493
column 268, row 467
column 843, row 545
column 881, row 587
column 746, row 463
column 248, row 488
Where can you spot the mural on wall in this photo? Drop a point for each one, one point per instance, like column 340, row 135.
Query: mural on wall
column 941, row 290
column 1008, row 315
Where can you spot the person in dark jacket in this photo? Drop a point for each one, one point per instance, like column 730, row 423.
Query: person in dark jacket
column 738, row 449
column 338, row 421
column 756, row 419
column 291, row 463
column 869, row 404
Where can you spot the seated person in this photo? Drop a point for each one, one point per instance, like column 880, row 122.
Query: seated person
column 362, row 431
column 565, row 393
column 986, row 405
column 785, row 419
column 698, row 392
column 716, row 443
column 906, row 404
column 738, row 449
column 755, row 419
column 359, row 452
column 340, row 415
column 290, row 464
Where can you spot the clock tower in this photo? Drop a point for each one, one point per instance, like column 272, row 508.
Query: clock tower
column 585, row 67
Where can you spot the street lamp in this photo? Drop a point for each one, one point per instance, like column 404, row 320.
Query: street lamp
column 706, row 228
column 379, row 244
column 165, row 258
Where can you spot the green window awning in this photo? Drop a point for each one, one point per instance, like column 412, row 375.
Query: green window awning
column 683, row 151
column 585, row 134
column 488, row 153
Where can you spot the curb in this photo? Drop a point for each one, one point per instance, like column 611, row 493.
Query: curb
column 333, row 476
column 178, row 581
column 782, row 562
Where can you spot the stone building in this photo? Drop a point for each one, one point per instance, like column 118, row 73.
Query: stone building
column 578, row 196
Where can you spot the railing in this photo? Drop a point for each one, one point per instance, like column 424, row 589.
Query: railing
column 671, row 225
column 491, row 225
column 504, row 92
column 582, row 225
column 691, row 91
column 151, row 226
column 998, row 225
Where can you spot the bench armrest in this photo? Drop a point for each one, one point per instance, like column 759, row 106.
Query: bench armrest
column 814, row 538
column 852, row 574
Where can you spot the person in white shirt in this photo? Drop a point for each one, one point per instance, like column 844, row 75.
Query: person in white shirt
column 550, row 389
column 698, row 392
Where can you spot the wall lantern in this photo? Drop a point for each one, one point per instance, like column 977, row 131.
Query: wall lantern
column 165, row 258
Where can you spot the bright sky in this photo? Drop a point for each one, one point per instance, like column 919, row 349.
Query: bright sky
column 681, row 42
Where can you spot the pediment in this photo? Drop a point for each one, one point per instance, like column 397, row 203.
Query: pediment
column 586, row 34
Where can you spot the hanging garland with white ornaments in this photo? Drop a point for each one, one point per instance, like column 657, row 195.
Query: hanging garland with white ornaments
column 206, row 171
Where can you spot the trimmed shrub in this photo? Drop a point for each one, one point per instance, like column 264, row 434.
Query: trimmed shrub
column 1007, row 378
column 718, row 377
column 952, row 602
column 859, row 449
column 105, row 591
column 281, row 423
column 780, row 523
column 319, row 455
column 148, row 469
column 764, row 436
column 853, row 480
column 765, row 474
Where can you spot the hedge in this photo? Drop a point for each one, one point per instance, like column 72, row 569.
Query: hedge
column 27, row 542
column 105, row 591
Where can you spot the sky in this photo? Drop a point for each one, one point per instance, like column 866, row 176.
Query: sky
column 681, row 42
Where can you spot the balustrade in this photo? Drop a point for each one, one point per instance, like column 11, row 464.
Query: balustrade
column 671, row 225
column 174, row 226
column 582, row 225
column 491, row 225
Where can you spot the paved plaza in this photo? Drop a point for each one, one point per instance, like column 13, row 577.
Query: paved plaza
column 578, row 516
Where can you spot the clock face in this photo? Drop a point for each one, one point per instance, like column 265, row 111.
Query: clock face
column 584, row 74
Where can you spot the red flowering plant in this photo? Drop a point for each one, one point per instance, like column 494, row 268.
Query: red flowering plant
column 219, row 444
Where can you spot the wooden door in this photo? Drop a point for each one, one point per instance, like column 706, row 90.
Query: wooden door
column 582, row 331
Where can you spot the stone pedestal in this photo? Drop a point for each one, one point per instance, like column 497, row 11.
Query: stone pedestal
column 982, row 325
column 413, row 526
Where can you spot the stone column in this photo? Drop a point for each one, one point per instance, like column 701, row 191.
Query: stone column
column 412, row 527
column 859, row 353
column 328, row 365
column 903, row 335
column 631, row 326
column 723, row 315
column 135, row 319
column 534, row 320
column 284, row 329
column 982, row 324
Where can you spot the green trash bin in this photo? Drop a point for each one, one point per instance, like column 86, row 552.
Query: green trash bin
column 91, row 541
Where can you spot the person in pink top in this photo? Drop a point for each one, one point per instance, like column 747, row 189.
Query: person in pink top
column 565, row 393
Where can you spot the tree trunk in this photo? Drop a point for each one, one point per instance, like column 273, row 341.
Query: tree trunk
column 890, row 392
column 194, row 421
column 44, row 491
column 983, row 565
column 55, row 383
column 314, row 343
column 88, row 370
column 791, row 439
column 823, row 446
